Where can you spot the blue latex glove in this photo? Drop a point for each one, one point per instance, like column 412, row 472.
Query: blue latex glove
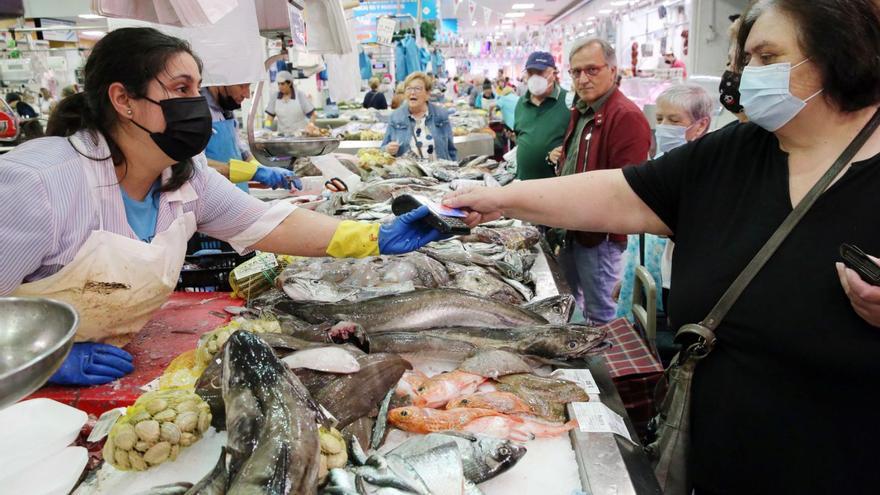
column 276, row 177
column 408, row 233
column 90, row 363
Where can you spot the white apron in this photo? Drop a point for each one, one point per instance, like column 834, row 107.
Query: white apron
column 115, row 282
column 290, row 116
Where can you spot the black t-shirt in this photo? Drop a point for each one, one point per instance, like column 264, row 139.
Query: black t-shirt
column 787, row 401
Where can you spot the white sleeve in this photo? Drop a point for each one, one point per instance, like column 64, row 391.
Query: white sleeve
column 270, row 108
column 304, row 103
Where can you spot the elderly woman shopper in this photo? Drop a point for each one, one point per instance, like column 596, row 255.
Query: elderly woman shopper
column 684, row 113
column 419, row 126
column 787, row 400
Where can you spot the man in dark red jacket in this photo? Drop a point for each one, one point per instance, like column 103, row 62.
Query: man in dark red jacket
column 606, row 130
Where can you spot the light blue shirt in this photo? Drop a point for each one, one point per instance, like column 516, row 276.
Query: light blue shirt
column 142, row 215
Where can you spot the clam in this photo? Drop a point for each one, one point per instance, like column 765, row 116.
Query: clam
column 158, row 453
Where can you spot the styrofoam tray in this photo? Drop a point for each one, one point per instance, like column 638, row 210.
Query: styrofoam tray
column 35, row 429
column 52, row 475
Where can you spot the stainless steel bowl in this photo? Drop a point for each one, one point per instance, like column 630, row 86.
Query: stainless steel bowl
column 35, row 336
column 271, row 152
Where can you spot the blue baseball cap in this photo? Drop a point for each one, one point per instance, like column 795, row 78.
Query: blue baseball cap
column 540, row 61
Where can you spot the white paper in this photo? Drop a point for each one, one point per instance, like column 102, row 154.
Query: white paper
column 583, row 378
column 595, row 417
column 105, row 422
column 151, row 387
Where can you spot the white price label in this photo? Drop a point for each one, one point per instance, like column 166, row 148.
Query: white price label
column 583, row 378
column 262, row 262
column 595, row 417
column 105, row 423
column 385, row 30
column 151, row 387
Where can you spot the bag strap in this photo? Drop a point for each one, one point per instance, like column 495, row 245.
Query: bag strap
column 738, row 286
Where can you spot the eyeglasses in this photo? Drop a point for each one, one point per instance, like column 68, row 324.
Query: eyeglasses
column 591, row 71
column 414, row 89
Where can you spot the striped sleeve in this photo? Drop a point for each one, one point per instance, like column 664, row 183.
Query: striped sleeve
column 27, row 230
column 224, row 211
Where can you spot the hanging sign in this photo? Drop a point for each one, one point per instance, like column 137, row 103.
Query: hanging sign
column 457, row 4
column 487, row 14
column 385, row 30
column 472, row 8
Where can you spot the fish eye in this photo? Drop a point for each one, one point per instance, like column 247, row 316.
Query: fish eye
column 504, row 451
column 465, row 401
column 572, row 344
column 420, row 389
column 404, row 413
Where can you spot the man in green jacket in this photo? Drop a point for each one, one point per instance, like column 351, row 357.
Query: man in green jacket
column 541, row 118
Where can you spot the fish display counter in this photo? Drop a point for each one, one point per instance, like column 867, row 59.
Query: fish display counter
column 453, row 370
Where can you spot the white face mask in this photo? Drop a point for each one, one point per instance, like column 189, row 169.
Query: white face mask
column 538, row 85
column 670, row 137
column 765, row 95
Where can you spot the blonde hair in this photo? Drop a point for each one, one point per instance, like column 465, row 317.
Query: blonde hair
column 374, row 83
column 420, row 76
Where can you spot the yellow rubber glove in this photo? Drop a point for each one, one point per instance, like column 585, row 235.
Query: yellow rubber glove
column 354, row 240
column 242, row 171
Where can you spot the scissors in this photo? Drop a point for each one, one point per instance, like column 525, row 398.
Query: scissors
column 336, row 185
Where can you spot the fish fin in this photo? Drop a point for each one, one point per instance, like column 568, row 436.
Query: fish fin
column 520, row 435
column 515, row 419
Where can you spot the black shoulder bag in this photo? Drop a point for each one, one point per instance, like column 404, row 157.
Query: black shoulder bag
column 671, row 427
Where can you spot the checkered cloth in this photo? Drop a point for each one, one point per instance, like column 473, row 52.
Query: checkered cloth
column 628, row 355
column 635, row 372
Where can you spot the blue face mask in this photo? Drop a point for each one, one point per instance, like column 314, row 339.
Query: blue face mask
column 765, row 96
column 669, row 137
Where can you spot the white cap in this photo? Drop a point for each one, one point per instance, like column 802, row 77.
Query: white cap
column 283, row 76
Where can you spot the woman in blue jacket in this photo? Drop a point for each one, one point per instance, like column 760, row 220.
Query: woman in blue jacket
column 418, row 125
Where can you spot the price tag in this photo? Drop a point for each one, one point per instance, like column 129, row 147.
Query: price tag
column 385, row 30
column 260, row 263
column 105, row 423
column 595, row 417
column 151, row 387
column 583, row 378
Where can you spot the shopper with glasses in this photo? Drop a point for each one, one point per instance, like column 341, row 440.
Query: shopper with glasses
column 418, row 126
column 605, row 131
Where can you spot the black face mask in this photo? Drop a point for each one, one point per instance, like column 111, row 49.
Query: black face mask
column 729, row 89
column 187, row 127
column 227, row 102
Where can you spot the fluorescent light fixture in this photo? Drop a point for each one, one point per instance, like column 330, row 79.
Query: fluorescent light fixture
column 507, row 26
column 93, row 34
column 591, row 18
column 522, row 6
column 591, row 31
column 606, row 11
column 515, row 14
column 473, row 23
column 506, row 21
column 619, row 3
column 90, row 16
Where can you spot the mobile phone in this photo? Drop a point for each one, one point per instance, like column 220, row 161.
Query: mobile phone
column 856, row 259
column 445, row 220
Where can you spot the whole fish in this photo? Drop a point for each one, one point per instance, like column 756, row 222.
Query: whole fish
column 518, row 429
column 493, row 363
column 419, row 309
column 353, row 396
column 546, row 396
column 513, row 238
column 546, row 341
column 481, row 282
column 286, row 452
column 179, row 488
column 483, row 457
column 503, row 402
column 331, row 359
column 409, row 382
column 214, row 483
column 426, row 420
column 556, row 309
column 440, row 389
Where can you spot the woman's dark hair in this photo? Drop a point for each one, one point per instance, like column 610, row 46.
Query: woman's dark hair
column 133, row 57
column 842, row 37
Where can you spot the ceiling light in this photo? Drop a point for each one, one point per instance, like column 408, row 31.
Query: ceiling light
column 515, row 14
column 522, row 6
column 591, row 31
column 606, row 11
column 506, row 21
column 90, row 16
column 93, row 34
column 619, row 3
column 591, row 18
